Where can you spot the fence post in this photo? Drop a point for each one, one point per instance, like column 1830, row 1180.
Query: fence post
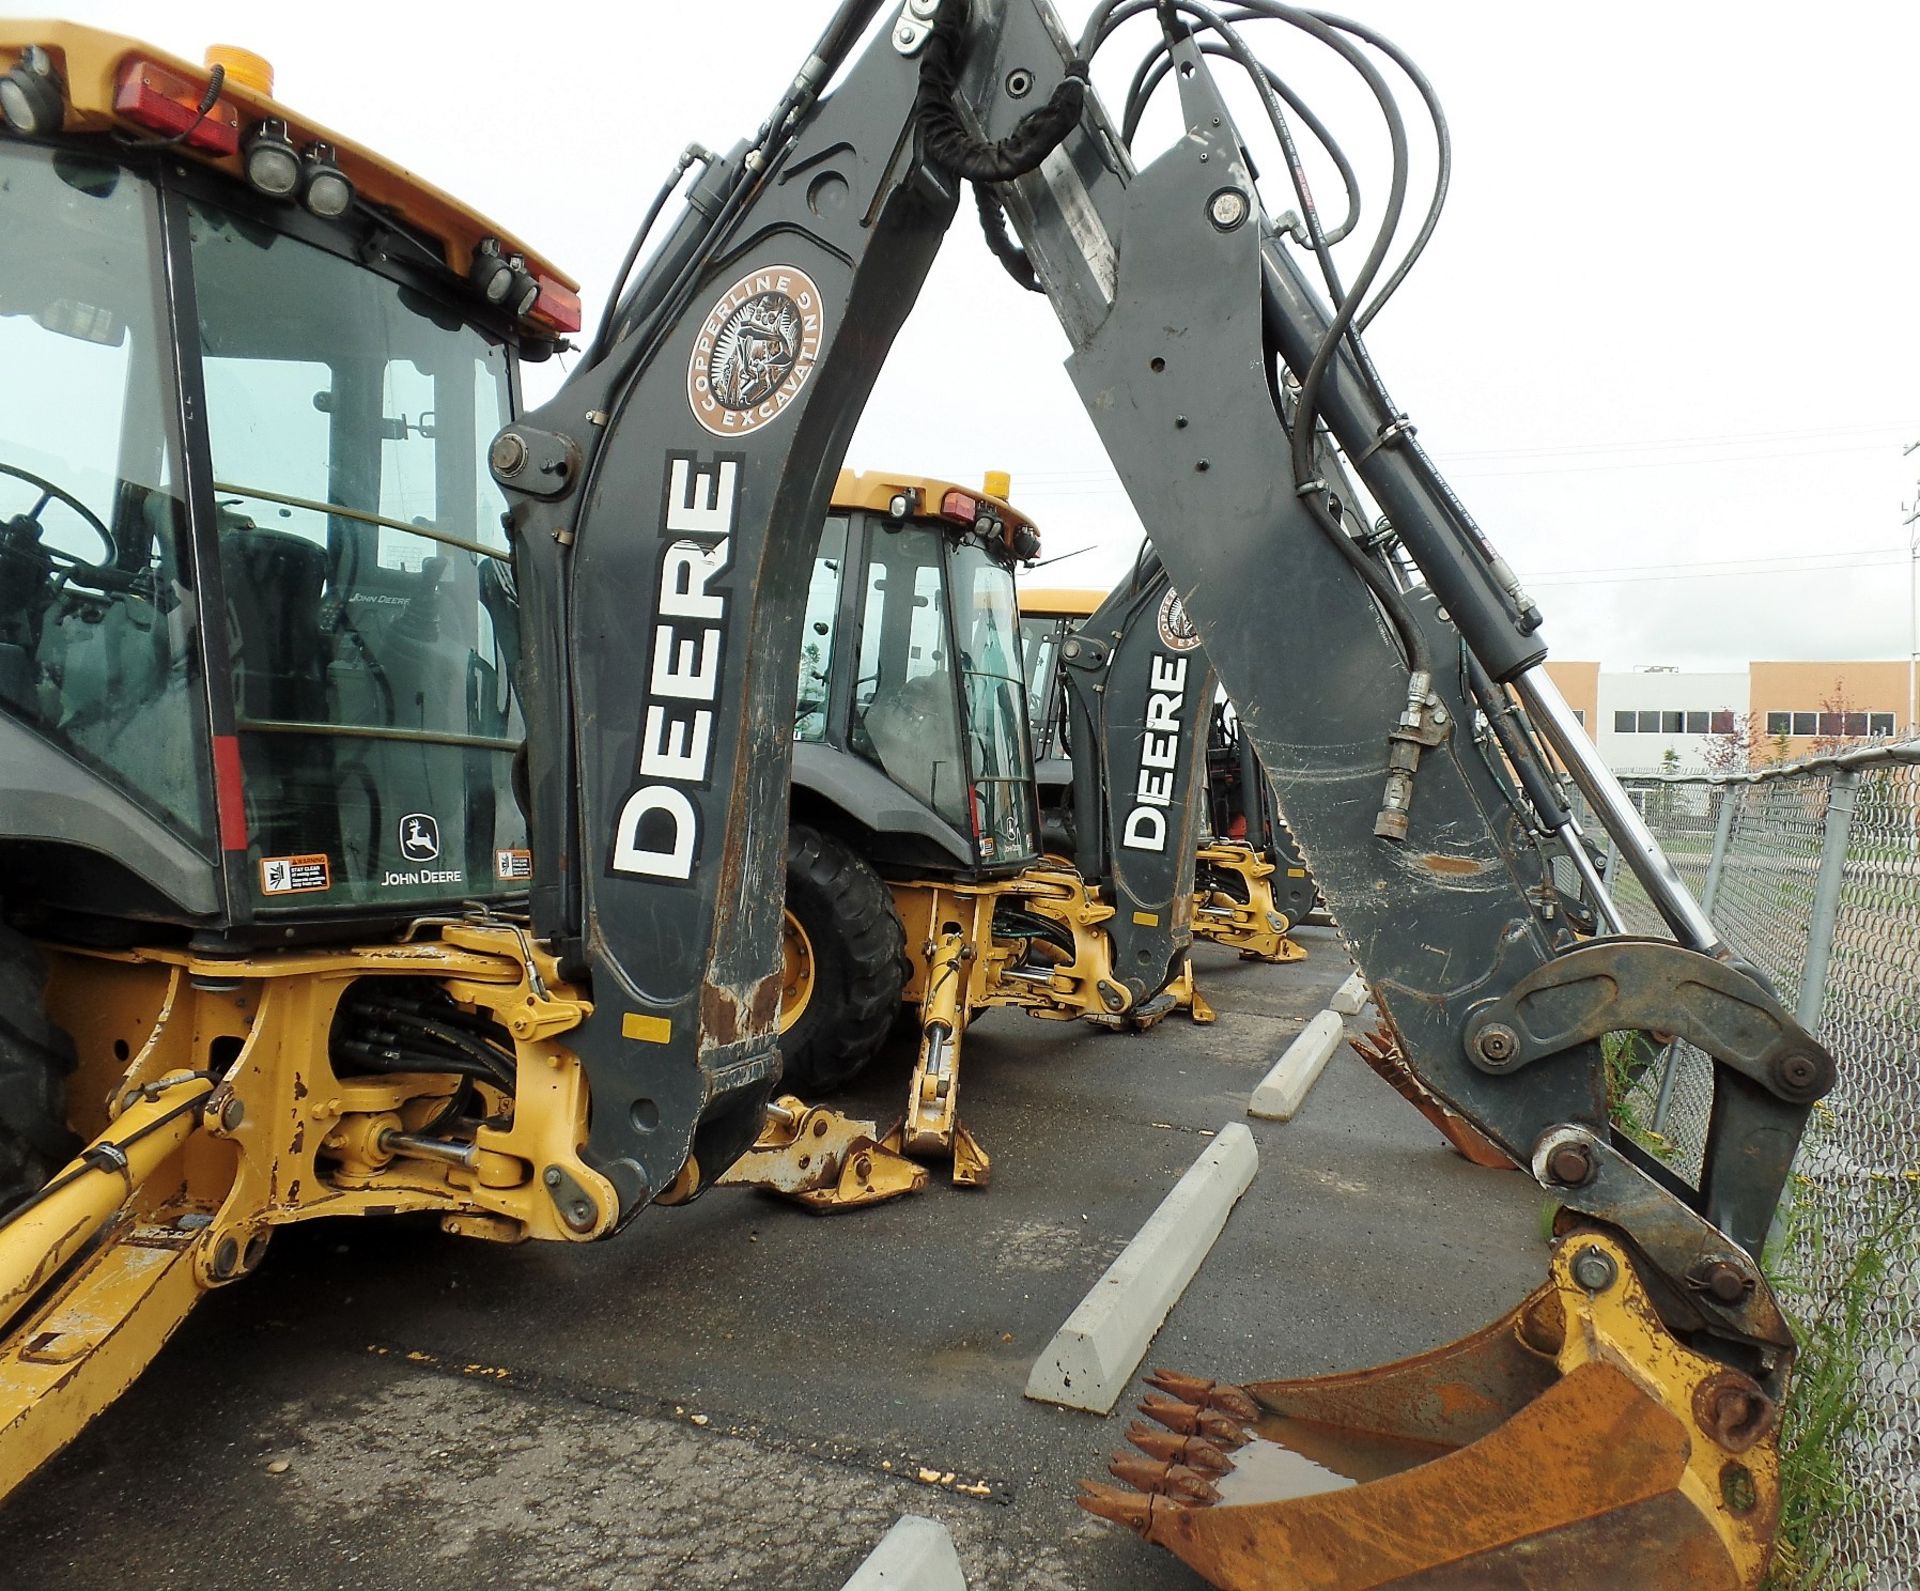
column 1722, row 835
column 1843, row 796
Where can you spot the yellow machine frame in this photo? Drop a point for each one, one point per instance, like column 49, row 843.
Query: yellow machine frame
column 1255, row 926
column 959, row 966
column 218, row 1116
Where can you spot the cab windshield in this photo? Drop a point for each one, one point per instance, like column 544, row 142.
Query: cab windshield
column 1040, row 646
column 98, row 607
column 370, row 604
column 986, row 618
column 939, row 701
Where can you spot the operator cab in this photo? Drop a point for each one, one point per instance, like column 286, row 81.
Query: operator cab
column 912, row 713
column 1048, row 615
column 256, row 603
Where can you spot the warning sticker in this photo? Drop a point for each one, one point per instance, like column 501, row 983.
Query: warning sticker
column 513, row 866
column 294, row 875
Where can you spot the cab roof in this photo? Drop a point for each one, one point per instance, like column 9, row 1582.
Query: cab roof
column 91, row 62
column 1069, row 602
column 934, row 498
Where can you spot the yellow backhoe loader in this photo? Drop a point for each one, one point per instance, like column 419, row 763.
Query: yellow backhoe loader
column 915, row 870
column 1235, row 901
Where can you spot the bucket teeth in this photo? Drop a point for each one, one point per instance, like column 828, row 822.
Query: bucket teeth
column 1221, row 1395
column 1194, row 1451
column 1128, row 1508
column 1167, row 1480
column 1177, row 1415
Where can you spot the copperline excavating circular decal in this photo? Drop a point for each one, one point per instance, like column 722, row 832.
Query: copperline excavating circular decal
column 1176, row 629
column 755, row 350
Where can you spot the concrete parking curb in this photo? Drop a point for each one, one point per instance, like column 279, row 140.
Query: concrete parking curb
column 1351, row 995
column 1284, row 1089
column 1093, row 1356
column 915, row 1555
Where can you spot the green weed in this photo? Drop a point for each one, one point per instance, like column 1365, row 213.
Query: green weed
column 1842, row 1325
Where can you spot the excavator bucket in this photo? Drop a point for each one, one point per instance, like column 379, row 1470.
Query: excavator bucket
column 1574, row 1442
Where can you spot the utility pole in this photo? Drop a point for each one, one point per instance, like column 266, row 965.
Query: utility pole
column 1912, row 522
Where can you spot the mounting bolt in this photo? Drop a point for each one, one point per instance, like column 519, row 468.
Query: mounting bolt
column 233, row 1113
column 552, row 1178
column 1571, row 1165
column 579, row 1215
column 1724, row 1280
column 1497, row 1044
column 1797, row 1072
column 1593, row 1269
column 508, row 455
column 226, row 1259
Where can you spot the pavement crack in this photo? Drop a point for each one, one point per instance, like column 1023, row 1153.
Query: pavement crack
column 542, row 1386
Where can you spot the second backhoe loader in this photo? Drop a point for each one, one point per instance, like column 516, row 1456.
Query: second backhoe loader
column 1237, row 883
column 259, row 722
column 914, row 865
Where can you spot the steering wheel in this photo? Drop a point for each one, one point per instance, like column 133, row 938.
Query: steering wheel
column 51, row 493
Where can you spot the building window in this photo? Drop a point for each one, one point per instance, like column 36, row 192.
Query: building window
column 1856, row 725
column 1831, row 723
column 1623, row 723
column 1779, row 723
column 1696, row 723
column 1721, row 723
column 1649, row 723
column 1806, row 723
column 1673, row 723
column 1879, row 723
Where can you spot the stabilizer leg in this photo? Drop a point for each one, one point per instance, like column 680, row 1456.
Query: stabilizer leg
column 932, row 1128
column 823, row 1161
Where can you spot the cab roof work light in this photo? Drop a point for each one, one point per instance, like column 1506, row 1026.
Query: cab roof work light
column 270, row 161
column 32, row 98
column 491, row 273
column 324, row 188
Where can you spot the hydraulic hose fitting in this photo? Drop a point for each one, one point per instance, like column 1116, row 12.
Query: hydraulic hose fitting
column 1422, row 723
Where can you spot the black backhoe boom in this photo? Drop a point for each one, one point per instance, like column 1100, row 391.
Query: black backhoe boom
column 666, row 504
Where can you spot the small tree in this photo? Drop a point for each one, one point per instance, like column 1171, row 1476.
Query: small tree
column 1837, row 705
column 1737, row 749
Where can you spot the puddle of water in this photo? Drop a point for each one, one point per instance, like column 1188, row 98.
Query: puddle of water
column 1298, row 1458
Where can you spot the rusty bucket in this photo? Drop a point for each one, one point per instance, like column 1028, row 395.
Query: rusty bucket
column 1574, row 1442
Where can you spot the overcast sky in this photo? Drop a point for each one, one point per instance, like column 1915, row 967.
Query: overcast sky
column 1665, row 342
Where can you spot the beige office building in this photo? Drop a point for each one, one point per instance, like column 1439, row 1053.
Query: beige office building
column 1785, row 710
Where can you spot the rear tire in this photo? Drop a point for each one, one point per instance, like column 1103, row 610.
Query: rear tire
column 858, row 952
column 35, row 1058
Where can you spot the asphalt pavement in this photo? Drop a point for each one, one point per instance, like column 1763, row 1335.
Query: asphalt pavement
column 737, row 1393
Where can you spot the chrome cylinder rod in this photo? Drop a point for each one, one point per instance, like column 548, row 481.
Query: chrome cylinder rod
column 1596, row 886
column 1617, row 814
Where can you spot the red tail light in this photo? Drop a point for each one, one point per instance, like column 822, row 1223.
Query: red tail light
column 960, row 507
column 557, row 308
column 166, row 103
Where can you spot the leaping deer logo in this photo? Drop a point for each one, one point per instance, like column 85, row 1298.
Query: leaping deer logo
column 419, row 837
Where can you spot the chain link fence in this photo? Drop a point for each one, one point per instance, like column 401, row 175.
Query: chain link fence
column 1812, row 872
